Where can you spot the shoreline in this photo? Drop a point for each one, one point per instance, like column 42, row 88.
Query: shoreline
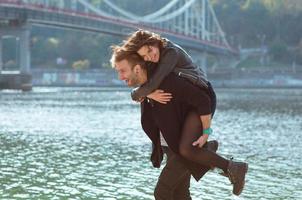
column 108, row 78
column 122, row 87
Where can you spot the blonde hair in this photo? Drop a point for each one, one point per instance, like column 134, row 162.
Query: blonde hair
column 119, row 53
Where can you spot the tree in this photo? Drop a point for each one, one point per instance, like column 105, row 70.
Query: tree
column 10, row 52
column 81, row 64
column 299, row 52
column 278, row 50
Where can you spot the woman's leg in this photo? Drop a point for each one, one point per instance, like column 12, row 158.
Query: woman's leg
column 191, row 131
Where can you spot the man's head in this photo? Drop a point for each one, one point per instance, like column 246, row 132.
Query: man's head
column 129, row 66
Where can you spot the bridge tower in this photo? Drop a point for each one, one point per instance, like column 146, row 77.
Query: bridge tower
column 20, row 79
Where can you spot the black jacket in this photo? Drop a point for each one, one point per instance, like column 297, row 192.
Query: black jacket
column 172, row 59
column 169, row 118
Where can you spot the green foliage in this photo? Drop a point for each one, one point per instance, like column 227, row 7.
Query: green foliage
column 48, row 44
column 10, row 65
column 300, row 48
column 81, row 64
column 253, row 23
column 255, row 62
column 278, row 50
column 10, row 49
column 298, row 53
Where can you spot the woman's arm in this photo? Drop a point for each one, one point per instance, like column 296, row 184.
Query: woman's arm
column 160, row 96
column 206, row 124
column 165, row 66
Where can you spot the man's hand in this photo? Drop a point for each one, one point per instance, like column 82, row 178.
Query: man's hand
column 160, row 96
column 201, row 140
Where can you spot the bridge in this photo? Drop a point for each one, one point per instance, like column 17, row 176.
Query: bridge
column 190, row 23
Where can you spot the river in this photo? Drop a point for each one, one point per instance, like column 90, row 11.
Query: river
column 87, row 143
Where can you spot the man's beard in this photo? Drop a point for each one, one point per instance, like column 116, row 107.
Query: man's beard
column 134, row 82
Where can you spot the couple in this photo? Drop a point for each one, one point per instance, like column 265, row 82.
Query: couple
column 177, row 106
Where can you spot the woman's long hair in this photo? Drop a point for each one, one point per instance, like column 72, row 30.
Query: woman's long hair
column 141, row 38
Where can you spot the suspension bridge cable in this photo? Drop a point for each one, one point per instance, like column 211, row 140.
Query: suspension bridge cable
column 173, row 14
column 142, row 18
column 122, row 12
column 94, row 9
column 161, row 11
column 218, row 26
column 151, row 19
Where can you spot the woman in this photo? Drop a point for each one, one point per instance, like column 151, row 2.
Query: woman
column 169, row 57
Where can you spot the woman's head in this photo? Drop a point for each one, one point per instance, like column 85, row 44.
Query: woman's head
column 146, row 44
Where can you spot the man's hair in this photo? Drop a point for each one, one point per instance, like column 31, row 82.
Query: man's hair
column 119, row 53
column 143, row 37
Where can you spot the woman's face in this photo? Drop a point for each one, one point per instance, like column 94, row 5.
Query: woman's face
column 149, row 53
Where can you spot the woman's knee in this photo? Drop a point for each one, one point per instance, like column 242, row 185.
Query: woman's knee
column 185, row 150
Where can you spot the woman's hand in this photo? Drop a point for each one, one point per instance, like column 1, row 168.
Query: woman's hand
column 201, row 140
column 140, row 100
column 160, row 96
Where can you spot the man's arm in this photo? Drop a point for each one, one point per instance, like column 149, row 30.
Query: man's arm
column 150, row 128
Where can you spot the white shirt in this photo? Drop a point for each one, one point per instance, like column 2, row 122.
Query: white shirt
column 162, row 140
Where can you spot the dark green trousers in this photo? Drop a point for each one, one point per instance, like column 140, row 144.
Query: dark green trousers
column 174, row 180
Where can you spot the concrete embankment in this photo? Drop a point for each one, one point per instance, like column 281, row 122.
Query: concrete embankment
column 256, row 79
column 15, row 80
column 107, row 77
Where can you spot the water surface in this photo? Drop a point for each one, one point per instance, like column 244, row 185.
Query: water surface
column 87, row 143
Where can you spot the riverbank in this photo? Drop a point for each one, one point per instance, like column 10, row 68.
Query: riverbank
column 107, row 77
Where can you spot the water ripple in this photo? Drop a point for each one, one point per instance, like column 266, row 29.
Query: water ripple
column 79, row 143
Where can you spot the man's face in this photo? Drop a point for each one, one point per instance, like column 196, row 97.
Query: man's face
column 126, row 73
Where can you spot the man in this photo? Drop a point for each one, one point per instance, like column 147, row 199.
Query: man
column 178, row 121
column 174, row 181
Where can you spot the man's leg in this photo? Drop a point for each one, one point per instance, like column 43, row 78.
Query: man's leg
column 174, row 178
column 182, row 191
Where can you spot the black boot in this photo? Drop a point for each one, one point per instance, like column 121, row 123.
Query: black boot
column 236, row 172
column 211, row 145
